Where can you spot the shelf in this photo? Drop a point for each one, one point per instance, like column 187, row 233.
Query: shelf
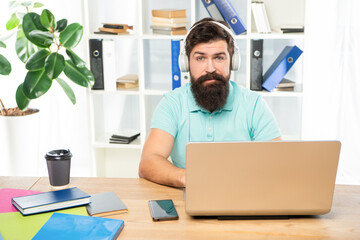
column 281, row 94
column 277, row 35
column 124, row 92
column 111, row 36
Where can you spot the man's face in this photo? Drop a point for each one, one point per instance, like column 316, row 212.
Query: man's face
column 210, row 72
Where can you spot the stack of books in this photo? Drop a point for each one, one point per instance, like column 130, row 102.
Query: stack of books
column 124, row 136
column 292, row 28
column 285, row 85
column 260, row 17
column 115, row 28
column 169, row 21
column 127, row 81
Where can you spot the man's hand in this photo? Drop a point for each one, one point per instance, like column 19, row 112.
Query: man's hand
column 154, row 164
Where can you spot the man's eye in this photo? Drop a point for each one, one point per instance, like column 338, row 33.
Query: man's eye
column 219, row 58
column 200, row 58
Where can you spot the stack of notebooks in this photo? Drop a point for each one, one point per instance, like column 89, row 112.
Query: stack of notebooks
column 292, row 28
column 127, row 81
column 38, row 221
column 124, row 136
column 115, row 29
column 169, row 21
column 260, row 17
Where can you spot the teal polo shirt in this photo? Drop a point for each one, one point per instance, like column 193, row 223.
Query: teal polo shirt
column 244, row 117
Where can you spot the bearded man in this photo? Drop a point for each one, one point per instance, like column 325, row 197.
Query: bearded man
column 210, row 108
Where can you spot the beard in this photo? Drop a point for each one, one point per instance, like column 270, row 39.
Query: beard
column 210, row 96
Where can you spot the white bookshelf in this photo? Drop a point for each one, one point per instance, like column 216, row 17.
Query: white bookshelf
column 149, row 56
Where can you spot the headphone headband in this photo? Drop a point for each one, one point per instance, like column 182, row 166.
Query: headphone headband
column 183, row 58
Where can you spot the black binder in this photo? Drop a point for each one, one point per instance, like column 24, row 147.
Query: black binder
column 96, row 63
column 256, row 79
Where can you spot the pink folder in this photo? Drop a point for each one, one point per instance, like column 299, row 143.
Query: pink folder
column 5, row 198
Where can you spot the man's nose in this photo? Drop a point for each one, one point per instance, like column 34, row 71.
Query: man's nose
column 210, row 66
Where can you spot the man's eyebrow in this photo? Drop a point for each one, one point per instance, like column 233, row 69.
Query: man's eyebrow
column 202, row 53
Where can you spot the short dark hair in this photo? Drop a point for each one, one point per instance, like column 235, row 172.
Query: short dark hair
column 205, row 31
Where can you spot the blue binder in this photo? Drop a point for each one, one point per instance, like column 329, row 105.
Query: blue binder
column 176, row 73
column 280, row 67
column 230, row 15
column 212, row 9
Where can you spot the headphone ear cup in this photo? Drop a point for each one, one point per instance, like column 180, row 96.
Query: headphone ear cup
column 183, row 62
column 236, row 60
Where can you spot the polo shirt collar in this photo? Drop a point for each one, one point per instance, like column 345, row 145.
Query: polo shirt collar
column 193, row 106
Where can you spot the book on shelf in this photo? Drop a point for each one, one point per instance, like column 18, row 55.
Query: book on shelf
column 292, row 28
column 283, row 89
column 286, row 83
column 69, row 226
column 260, row 17
column 49, row 201
column 127, row 81
column 113, row 30
column 169, row 13
column 172, row 25
column 5, row 198
column 117, row 26
column 124, row 136
column 104, row 204
column 168, row 20
column 178, row 31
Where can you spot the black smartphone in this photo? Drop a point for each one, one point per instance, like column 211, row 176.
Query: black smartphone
column 163, row 210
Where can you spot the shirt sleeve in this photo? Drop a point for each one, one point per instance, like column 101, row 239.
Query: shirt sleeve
column 264, row 124
column 165, row 116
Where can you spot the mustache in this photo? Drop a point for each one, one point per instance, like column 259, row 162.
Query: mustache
column 210, row 76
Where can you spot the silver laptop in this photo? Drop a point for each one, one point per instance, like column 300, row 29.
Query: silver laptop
column 260, row 178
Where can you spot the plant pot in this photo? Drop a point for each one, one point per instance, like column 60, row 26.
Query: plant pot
column 19, row 141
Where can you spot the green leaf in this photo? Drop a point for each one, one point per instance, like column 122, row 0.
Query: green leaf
column 26, row 4
column 38, row 5
column 71, row 36
column 67, row 89
column 5, row 66
column 80, row 76
column 2, row 44
column 21, row 100
column 36, row 84
column 47, row 19
column 75, row 59
column 31, row 22
column 61, row 25
column 54, row 65
column 37, row 61
column 41, row 38
column 24, row 48
column 13, row 22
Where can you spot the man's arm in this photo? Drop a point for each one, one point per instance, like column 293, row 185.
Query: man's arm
column 154, row 164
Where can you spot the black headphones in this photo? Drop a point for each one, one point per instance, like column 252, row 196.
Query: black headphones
column 236, row 60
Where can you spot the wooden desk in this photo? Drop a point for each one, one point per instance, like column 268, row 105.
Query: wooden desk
column 343, row 222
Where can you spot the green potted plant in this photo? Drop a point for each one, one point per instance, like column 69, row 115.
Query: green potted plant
column 45, row 46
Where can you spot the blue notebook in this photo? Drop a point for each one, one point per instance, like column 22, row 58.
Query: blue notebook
column 49, row 201
column 62, row 226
